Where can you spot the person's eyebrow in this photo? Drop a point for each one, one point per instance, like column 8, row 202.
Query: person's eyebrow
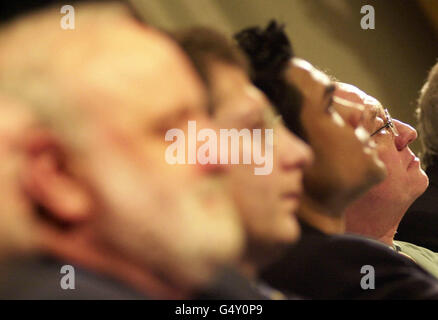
column 381, row 112
column 183, row 113
column 329, row 90
column 372, row 117
column 376, row 111
column 329, row 93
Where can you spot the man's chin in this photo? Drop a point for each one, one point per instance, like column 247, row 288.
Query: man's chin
column 293, row 233
column 420, row 183
column 425, row 181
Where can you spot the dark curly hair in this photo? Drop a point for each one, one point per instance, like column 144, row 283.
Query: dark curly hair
column 269, row 52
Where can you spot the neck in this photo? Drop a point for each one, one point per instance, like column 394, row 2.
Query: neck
column 325, row 220
column 388, row 237
column 375, row 219
column 100, row 259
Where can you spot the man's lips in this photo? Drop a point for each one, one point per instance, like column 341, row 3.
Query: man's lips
column 413, row 161
column 293, row 195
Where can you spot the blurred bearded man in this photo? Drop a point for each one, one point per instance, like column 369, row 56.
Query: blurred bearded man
column 99, row 101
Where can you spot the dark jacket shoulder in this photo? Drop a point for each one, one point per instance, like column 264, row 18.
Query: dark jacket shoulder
column 332, row 267
column 44, row 277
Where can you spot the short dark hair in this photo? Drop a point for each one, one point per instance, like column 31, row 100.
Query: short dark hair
column 205, row 45
column 269, row 51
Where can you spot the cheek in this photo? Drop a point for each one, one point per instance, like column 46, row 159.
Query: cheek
column 255, row 194
column 397, row 177
column 155, row 164
column 391, row 158
column 247, row 182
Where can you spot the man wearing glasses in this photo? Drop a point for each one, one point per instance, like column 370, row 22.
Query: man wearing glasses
column 378, row 213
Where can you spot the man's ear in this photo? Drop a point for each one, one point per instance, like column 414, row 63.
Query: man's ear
column 48, row 182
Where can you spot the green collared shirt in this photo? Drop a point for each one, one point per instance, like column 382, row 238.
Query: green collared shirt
column 424, row 257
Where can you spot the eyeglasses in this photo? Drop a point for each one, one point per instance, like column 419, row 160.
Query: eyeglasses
column 388, row 124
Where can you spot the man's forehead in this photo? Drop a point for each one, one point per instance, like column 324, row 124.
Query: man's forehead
column 311, row 82
column 252, row 103
column 301, row 66
column 231, row 89
column 374, row 107
column 153, row 99
column 354, row 94
column 151, row 77
column 14, row 115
